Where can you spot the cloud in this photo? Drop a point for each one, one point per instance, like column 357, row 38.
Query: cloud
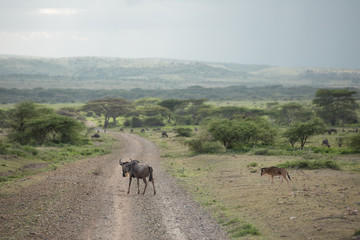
column 34, row 35
column 57, row 11
column 77, row 38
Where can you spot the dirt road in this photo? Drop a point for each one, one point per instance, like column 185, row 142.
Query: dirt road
column 88, row 200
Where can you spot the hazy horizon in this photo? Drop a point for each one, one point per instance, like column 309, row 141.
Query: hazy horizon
column 297, row 33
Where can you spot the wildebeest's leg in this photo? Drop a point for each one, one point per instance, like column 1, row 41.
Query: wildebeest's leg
column 138, row 186
column 281, row 181
column 144, row 179
column 129, row 185
column 287, row 181
column 152, row 180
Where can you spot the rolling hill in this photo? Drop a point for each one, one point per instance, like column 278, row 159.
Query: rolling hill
column 120, row 73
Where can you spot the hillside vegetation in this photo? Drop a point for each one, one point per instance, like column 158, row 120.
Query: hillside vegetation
column 119, row 73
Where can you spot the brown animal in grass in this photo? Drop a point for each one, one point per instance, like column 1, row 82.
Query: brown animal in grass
column 273, row 172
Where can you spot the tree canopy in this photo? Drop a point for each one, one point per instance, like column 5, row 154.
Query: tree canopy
column 35, row 124
column 336, row 105
column 109, row 107
column 301, row 131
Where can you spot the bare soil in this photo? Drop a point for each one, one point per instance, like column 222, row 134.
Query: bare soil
column 87, row 199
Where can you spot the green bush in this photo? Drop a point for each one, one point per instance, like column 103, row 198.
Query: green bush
column 310, row 164
column 153, row 122
column 183, row 120
column 199, row 146
column 354, row 142
column 241, row 132
column 127, row 123
column 184, row 132
column 136, row 122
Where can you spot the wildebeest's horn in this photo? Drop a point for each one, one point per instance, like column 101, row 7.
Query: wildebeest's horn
column 130, row 158
column 120, row 161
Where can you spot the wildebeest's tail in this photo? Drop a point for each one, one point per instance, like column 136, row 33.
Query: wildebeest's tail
column 288, row 176
column 151, row 174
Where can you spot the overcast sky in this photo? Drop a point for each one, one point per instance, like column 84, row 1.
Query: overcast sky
column 303, row 33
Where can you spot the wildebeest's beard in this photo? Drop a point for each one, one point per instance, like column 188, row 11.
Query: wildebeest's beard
column 125, row 169
column 125, row 173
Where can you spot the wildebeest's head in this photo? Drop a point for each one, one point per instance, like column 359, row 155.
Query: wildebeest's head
column 126, row 166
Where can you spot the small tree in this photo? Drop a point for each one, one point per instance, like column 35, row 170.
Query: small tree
column 301, row 131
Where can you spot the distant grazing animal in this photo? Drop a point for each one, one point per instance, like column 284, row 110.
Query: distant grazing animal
column 275, row 171
column 137, row 170
column 164, row 134
column 325, row 142
column 142, row 130
column 95, row 135
column 339, row 141
column 332, row 130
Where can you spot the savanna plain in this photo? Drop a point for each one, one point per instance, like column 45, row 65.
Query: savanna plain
column 320, row 204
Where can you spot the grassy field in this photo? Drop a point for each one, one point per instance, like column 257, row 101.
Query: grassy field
column 320, row 204
column 23, row 161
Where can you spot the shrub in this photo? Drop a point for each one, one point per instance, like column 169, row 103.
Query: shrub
column 89, row 114
column 127, row 123
column 310, row 164
column 354, row 142
column 153, row 121
column 184, row 132
column 242, row 132
column 183, row 120
column 199, row 146
column 136, row 122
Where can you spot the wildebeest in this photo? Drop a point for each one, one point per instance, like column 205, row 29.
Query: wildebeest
column 95, row 135
column 142, row 130
column 137, row 170
column 164, row 134
column 325, row 142
column 339, row 141
column 275, row 171
column 329, row 131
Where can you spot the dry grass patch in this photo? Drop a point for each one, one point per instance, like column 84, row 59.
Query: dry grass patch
column 321, row 204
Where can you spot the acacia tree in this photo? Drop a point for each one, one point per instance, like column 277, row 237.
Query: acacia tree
column 109, row 107
column 301, row 131
column 170, row 104
column 335, row 105
column 292, row 112
column 34, row 124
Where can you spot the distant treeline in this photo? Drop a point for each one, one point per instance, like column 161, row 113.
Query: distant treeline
column 235, row 93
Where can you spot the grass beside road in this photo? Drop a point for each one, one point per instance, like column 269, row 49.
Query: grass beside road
column 18, row 161
column 320, row 204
